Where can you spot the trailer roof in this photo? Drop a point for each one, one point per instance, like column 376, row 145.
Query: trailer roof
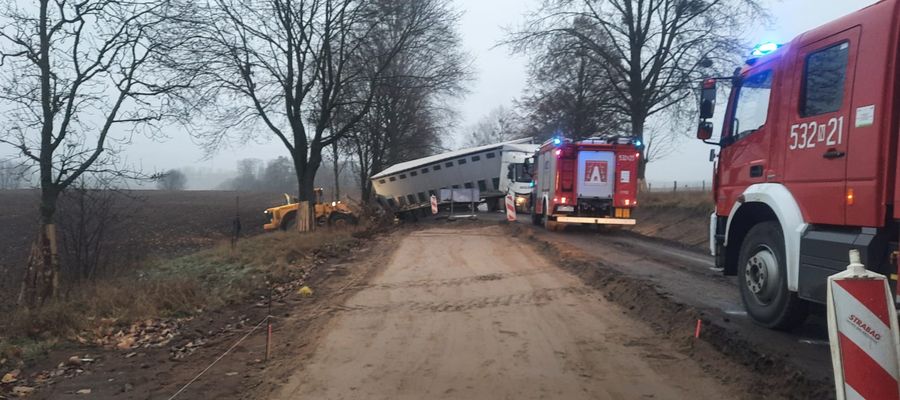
column 413, row 164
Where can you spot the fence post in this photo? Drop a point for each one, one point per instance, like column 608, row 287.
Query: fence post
column 703, row 186
column 674, row 186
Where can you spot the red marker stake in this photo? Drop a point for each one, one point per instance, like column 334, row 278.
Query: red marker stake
column 697, row 330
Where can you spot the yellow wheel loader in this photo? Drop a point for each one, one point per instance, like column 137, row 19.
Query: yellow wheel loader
column 333, row 213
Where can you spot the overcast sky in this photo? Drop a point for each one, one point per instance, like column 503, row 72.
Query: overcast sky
column 500, row 78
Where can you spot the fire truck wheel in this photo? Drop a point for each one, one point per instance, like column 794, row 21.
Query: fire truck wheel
column 762, row 278
column 551, row 226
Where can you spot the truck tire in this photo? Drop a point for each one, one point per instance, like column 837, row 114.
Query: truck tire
column 341, row 220
column 289, row 222
column 762, row 277
column 493, row 204
column 535, row 217
column 549, row 225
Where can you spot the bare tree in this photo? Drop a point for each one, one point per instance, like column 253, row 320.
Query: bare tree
column 654, row 51
column 172, row 179
column 89, row 216
column 279, row 176
column 249, row 173
column 499, row 125
column 11, row 175
column 408, row 116
column 568, row 93
column 290, row 64
column 79, row 78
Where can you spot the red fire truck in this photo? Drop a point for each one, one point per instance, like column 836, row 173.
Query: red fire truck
column 807, row 167
column 592, row 181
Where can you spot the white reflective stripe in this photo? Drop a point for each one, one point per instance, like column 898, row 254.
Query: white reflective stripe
column 590, row 220
column 850, row 394
column 882, row 351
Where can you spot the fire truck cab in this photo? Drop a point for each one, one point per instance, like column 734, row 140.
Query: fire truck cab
column 592, row 181
column 807, row 166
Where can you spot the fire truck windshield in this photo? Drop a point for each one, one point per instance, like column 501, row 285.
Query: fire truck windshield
column 752, row 104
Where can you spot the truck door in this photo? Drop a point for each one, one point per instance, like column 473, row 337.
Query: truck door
column 817, row 127
column 744, row 157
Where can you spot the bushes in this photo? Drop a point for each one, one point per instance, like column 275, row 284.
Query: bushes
column 173, row 288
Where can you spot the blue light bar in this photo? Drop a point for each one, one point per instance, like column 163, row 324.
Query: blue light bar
column 557, row 141
column 765, row 49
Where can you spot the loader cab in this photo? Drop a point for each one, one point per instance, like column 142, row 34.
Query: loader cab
column 318, row 195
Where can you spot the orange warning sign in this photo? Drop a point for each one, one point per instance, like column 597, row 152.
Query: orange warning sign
column 595, row 172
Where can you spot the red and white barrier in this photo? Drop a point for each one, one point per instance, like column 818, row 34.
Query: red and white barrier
column 434, row 208
column 862, row 330
column 510, row 208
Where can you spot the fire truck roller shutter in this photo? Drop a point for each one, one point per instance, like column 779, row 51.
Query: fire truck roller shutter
column 782, row 203
column 596, row 174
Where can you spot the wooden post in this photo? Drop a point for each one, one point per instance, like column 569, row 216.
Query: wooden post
column 269, row 325
column 675, row 186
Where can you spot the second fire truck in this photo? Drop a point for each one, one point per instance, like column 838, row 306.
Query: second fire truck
column 592, row 181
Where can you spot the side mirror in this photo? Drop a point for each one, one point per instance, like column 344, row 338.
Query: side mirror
column 708, row 99
column 705, row 130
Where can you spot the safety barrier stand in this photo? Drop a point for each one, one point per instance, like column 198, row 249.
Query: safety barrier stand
column 863, row 334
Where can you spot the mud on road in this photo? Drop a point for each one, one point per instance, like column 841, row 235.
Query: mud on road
column 475, row 313
column 670, row 288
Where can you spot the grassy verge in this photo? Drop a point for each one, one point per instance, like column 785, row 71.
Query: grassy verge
column 169, row 288
column 680, row 217
column 689, row 200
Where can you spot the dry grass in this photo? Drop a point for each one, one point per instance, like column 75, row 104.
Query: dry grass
column 692, row 200
column 177, row 287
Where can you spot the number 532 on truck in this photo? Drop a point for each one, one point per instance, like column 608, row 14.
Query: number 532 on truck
column 808, row 162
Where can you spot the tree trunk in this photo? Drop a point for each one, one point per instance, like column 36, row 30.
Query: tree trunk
column 336, row 196
column 637, row 130
column 306, row 182
column 41, row 281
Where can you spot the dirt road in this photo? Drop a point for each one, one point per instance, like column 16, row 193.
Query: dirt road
column 475, row 314
column 679, row 273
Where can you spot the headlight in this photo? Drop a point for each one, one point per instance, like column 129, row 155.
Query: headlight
column 333, row 203
column 266, row 212
column 520, row 200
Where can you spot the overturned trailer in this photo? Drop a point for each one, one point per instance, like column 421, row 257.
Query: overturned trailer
column 408, row 186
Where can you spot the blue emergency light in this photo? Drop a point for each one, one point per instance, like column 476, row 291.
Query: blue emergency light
column 638, row 143
column 765, row 49
column 557, row 141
